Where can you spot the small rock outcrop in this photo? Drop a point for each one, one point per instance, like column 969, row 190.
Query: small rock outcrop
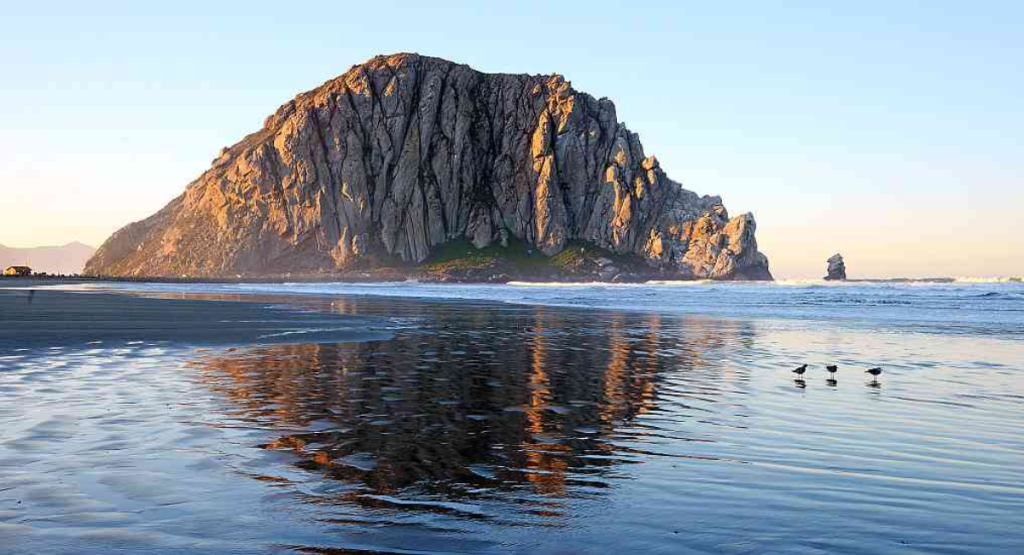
column 836, row 268
column 404, row 153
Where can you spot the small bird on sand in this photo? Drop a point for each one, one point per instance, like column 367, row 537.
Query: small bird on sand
column 875, row 372
column 799, row 370
column 832, row 369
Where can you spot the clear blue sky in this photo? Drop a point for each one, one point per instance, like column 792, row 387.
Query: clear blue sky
column 889, row 131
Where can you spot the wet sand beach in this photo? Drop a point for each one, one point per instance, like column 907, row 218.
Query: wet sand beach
column 32, row 317
column 183, row 422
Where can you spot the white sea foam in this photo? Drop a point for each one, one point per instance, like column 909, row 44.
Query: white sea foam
column 807, row 281
column 562, row 284
column 1007, row 279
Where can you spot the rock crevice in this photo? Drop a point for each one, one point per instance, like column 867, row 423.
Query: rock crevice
column 404, row 153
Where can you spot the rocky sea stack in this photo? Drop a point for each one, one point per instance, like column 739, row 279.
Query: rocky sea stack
column 836, row 268
column 404, row 156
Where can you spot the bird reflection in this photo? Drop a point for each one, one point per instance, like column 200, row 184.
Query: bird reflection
column 831, row 382
column 800, row 383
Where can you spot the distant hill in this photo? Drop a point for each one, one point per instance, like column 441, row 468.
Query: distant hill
column 66, row 259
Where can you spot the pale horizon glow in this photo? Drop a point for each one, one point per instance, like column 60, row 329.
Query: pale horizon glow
column 891, row 134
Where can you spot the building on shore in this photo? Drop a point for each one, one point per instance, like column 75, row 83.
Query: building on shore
column 18, row 271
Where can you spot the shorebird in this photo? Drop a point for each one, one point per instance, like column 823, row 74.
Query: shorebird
column 799, row 370
column 832, row 369
column 875, row 372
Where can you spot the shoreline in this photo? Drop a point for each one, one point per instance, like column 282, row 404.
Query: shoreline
column 505, row 279
column 367, row 277
column 305, row 312
column 982, row 307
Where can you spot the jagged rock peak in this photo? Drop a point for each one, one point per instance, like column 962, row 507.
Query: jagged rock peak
column 836, row 268
column 406, row 152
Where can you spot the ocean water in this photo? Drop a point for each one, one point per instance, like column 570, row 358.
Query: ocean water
column 970, row 306
column 530, row 418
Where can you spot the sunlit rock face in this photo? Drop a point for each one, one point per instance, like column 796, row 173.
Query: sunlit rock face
column 404, row 153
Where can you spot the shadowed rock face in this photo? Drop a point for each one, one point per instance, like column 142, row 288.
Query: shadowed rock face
column 404, row 153
column 836, row 268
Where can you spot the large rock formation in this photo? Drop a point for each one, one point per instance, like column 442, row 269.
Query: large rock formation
column 406, row 152
column 836, row 268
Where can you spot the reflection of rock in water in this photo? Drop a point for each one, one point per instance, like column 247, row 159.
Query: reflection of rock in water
column 468, row 407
